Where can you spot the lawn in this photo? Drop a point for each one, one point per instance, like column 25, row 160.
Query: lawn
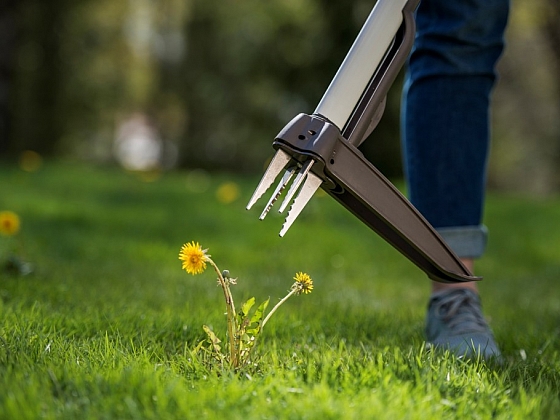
column 106, row 324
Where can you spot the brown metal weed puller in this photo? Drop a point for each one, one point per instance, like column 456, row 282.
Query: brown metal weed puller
column 320, row 150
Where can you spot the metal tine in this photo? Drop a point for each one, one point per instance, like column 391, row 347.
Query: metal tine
column 276, row 165
column 296, row 184
column 279, row 188
column 312, row 184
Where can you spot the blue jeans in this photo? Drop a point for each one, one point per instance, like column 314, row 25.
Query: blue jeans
column 445, row 118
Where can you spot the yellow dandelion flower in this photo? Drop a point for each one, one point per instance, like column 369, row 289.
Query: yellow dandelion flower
column 9, row 223
column 194, row 258
column 228, row 192
column 30, row 161
column 303, row 283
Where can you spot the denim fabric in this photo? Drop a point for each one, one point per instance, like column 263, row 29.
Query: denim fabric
column 445, row 119
column 465, row 241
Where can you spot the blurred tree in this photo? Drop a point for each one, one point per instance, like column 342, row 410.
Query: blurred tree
column 255, row 65
column 8, row 30
column 38, row 78
column 217, row 79
column 551, row 18
column 552, row 35
column 526, row 148
column 245, row 67
column 83, row 66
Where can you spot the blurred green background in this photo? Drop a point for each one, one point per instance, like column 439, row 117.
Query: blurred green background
column 209, row 83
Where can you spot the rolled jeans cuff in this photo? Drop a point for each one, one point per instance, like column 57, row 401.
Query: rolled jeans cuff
column 465, row 241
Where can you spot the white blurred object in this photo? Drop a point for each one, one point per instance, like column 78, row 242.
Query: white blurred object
column 138, row 146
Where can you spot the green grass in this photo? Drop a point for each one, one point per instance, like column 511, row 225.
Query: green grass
column 105, row 325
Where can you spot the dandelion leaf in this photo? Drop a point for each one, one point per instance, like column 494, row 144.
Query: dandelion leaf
column 246, row 307
column 213, row 338
column 256, row 319
column 258, row 315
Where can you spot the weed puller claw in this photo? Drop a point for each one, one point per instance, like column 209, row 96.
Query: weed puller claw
column 320, row 150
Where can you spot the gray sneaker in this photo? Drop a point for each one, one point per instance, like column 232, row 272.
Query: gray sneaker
column 455, row 322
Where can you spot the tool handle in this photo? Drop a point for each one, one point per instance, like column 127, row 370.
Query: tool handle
column 365, row 59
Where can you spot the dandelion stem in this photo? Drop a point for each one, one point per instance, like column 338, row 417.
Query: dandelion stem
column 230, row 310
column 267, row 318
column 294, row 290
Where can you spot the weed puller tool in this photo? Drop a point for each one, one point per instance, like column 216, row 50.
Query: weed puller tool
column 320, row 150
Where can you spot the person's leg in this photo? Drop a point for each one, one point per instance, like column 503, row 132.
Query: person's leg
column 447, row 92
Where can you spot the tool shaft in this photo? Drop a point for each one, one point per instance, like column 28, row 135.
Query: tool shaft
column 361, row 62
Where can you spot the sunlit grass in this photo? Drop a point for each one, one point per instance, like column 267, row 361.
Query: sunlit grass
column 105, row 325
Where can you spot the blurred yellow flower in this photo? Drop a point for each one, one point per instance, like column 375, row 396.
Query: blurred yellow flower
column 9, row 223
column 303, row 283
column 30, row 161
column 227, row 193
column 194, row 258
